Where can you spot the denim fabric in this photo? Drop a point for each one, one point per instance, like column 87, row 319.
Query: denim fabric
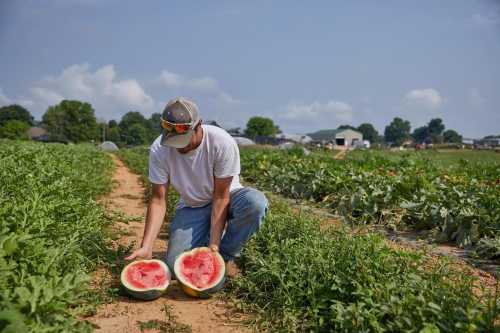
column 190, row 226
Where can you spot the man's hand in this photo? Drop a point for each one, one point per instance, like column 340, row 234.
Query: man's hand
column 154, row 219
column 214, row 248
column 141, row 253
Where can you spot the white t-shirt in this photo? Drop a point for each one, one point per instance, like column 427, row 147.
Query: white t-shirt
column 192, row 174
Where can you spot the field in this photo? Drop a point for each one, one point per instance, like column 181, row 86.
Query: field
column 52, row 234
column 453, row 196
column 440, row 157
column 298, row 274
column 300, row 277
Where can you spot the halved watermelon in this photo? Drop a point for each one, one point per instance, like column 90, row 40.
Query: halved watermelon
column 146, row 279
column 200, row 272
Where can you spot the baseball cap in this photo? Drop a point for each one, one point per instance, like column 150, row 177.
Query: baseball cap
column 179, row 111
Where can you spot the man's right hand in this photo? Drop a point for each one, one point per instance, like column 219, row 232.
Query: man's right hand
column 154, row 218
column 141, row 253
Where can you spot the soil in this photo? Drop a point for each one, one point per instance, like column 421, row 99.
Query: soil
column 125, row 314
column 341, row 154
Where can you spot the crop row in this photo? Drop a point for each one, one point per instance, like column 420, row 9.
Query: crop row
column 303, row 278
column 299, row 277
column 51, row 233
column 459, row 203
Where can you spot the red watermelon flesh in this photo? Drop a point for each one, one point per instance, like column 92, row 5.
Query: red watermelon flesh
column 146, row 275
column 200, row 269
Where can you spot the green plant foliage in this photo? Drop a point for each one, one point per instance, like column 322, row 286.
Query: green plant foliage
column 451, row 136
column 71, row 121
column 51, row 233
column 15, row 112
column 300, row 278
column 397, row 131
column 14, row 129
column 305, row 279
column 260, row 126
column 369, row 132
column 459, row 202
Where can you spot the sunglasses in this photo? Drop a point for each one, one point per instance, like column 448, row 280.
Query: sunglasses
column 177, row 128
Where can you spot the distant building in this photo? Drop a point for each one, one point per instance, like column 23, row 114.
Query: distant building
column 212, row 122
column 489, row 142
column 468, row 141
column 38, row 134
column 235, row 131
column 242, row 141
column 268, row 140
column 297, row 138
column 364, row 144
column 108, row 146
column 347, row 138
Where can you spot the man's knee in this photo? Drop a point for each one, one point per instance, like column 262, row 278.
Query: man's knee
column 256, row 204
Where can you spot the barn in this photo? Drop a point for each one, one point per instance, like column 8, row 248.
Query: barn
column 347, row 138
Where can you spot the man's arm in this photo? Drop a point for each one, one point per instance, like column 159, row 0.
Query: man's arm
column 220, row 208
column 154, row 219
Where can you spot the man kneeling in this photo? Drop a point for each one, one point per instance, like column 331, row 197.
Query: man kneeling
column 202, row 163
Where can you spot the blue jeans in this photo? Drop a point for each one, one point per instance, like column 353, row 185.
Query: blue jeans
column 190, row 226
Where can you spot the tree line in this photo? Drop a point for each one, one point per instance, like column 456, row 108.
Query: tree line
column 75, row 121
column 397, row 132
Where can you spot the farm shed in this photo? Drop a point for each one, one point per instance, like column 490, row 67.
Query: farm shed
column 242, row 141
column 298, row 138
column 108, row 146
column 38, row 134
column 347, row 137
column 491, row 142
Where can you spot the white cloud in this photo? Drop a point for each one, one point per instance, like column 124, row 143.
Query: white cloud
column 46, row 96
column 170, row 79
column 300, row 117
column 227, row 100
column 428, row 98
column 109, row 96
column 200, row 84
column 4, row 100
column 204, row 89
column 318, row 111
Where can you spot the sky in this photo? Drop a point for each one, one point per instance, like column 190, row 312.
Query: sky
column 308, row 65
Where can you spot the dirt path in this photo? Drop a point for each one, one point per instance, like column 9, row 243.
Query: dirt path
column 340, row 155
column 125, row 314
